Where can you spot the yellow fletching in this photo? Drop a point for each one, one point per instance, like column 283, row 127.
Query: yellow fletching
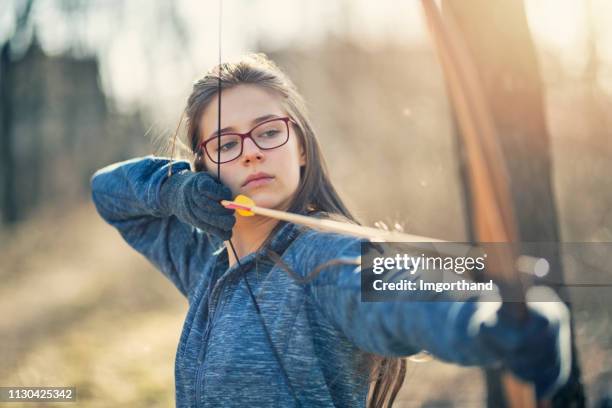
column 244, row 200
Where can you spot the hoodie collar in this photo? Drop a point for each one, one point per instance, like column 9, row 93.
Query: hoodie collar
column 283, row 237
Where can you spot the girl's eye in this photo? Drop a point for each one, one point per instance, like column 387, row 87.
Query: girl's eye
column 269, row 133
column 227, row 146
column 224, row 144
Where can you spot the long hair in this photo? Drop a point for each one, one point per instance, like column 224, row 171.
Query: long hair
column 315, row 191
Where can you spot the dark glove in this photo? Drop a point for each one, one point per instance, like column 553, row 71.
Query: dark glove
column 194, row 197
column 537, row 349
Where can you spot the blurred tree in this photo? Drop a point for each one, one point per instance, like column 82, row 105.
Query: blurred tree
column 55, row 122
column 7, row 159
column 500, row 42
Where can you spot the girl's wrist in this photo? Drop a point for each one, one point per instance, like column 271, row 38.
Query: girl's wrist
column 171, row 191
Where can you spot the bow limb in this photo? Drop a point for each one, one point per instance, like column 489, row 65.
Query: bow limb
column 493, row 215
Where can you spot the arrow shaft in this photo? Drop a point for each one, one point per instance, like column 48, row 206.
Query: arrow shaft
column 525, row 263
column 331, row 225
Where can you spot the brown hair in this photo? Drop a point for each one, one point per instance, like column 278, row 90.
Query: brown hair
column 315, row 191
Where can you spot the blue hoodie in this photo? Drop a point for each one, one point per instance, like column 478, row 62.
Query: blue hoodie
column 322, row 332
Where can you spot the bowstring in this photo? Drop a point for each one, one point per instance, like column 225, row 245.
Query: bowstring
column 231, row 244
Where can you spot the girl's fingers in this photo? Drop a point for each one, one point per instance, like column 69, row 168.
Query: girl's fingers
column 214, row 208
column 213, row 189
column 224, row 221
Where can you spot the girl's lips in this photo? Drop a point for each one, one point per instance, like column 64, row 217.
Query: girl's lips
column 259, row 182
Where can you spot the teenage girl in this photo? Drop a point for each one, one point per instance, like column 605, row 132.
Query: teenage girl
column 275, row 317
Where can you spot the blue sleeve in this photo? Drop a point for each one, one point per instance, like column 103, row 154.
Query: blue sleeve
column 126, row 195
column 391, row 328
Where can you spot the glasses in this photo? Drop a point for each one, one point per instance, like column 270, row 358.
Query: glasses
column 267, row 135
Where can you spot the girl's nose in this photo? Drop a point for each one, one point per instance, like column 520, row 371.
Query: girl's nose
column 250, row 151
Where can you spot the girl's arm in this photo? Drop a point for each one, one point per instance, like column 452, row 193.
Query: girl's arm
column 393, row 328
column 469, row 332
column 127, row 196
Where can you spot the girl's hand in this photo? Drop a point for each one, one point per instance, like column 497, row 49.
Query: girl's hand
column 537, row 349
column 194, row 197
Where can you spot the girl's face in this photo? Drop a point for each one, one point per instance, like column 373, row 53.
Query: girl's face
column 242, row 108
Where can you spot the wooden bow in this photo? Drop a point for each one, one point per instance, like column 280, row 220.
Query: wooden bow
column 494, row 218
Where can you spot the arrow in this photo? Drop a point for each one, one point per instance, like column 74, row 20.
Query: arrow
column 246, row 207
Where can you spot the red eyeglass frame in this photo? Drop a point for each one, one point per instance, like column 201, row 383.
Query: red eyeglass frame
column 246, row 135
